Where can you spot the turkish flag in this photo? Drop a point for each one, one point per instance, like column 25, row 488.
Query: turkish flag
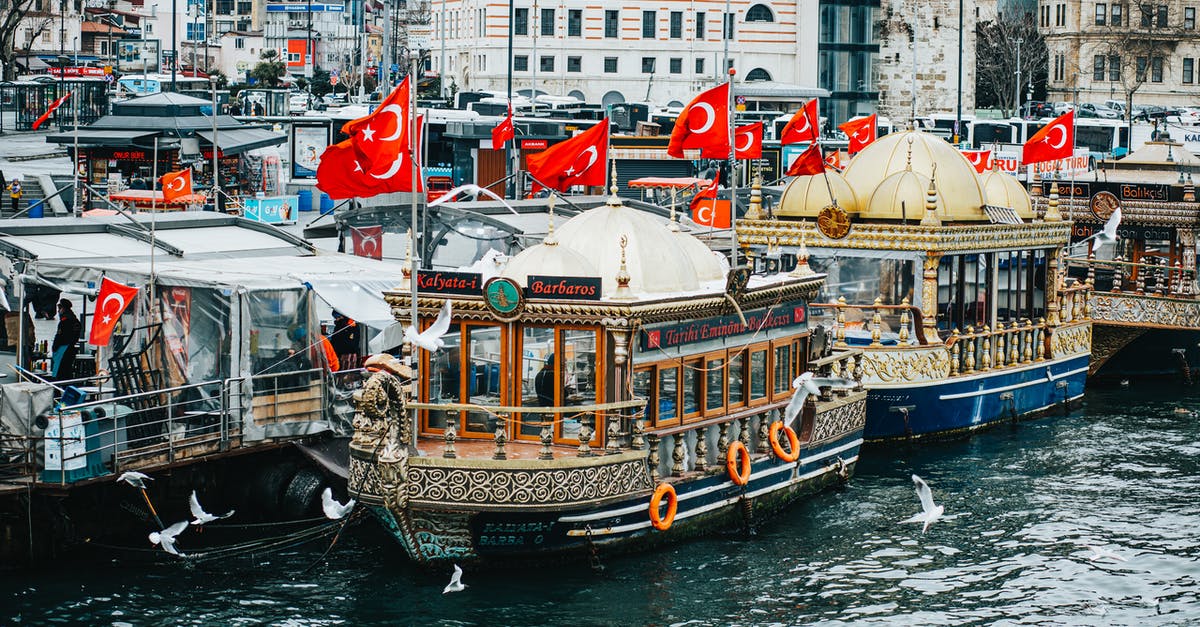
column 809, row 162
column 340, row 175
column 707, row 210
column 708, row 193
column 49, row 112
column 834, row 160
column 368, row 241
column 747, row 143
column 979, row 158
column 1056, row 140
column 703, row 124
column 803, row 127
column 381, row 138
column 503, row 132
column 580, row 160
column 176, row 184
column 110, row 303
column 861, row 132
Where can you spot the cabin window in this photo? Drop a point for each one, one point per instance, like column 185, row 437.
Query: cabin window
column 714, row 384
column 782, row 371
column 758, row 374
column 737, row 379
column 692, row 388
column 579, row 370
column 668, row 397
column 558, row 368
column 643, row 387
column 539, row 377
column 466, row 376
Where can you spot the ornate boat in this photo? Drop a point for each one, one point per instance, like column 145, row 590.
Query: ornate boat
column 1146, row 306
column 610, row 372
column 945, row 279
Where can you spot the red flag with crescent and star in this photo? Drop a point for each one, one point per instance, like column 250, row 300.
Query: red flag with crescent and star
column 503, row 132
column 747, row 143
column 50, row 111
column 808, row 162
column 803, row 127
column 368, row 241
column 978, row 158
column 580, row 160
column 861, row 132
column 703, row 124
column 381, row 138
column 110, row 304
column 834, row 160
column 1056, row 140
column 176, row 184
column 341, row 173
column 707, row 210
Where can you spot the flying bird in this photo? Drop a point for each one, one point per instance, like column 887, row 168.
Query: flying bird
column 806, row 384
column 1106, row 234
column 456, row 584
column 430, row 339
column 1099, row 554
column 929, row 511
column 200, row 515
column 135, row 479
column 166, row 537
column 333, row 509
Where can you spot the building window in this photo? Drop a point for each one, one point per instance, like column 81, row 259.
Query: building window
column 699, row 24
column 239, row 43
column 521, row 22
column 1045, row 16
column 574, row 64
column 224, row 7
column 546, row 64
column 195, row 31
column 676, row 66
column 610, row 65
column 1141, row 70
column 1098, row 67
column 1116, row 15
column 699, row 65
column 1162, row 16
column 758, row 74
column 1189, row 70
column 1101, row 13
column 1147, row 16
column 647, row 24
column 1060, row 67
column 1156, row 70
column 521, row 63
column 1114, row 67
column 647, row 65
column 728, row 26
column 676, row 24
column 759, row 13
column 547, row 22
column 611, row 24
column 1060, row 15
column 575, row 23
column 1189, row 18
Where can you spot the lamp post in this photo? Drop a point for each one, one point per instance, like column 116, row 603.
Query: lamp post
column 1017, row 103
column 174, row 44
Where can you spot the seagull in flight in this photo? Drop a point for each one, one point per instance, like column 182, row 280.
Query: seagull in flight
column 200, row 515
column 1106, row 234
column 456, row 584
column 430, row 339
column 1100, row 554
column 333, row 509
column 166, row 537
column 929, row 511
column 806, row 384
column 135, row 479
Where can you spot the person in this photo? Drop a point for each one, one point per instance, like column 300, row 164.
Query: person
column 66, row 342
column 448, row 373
column 345, row 339
column 331, row 357
column 543, row 383
column 14, row 192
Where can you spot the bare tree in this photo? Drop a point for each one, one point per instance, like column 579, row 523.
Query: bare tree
column 15, row 15
column 996, row 59
column 1140, row 50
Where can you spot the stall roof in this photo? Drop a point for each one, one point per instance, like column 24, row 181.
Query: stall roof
column 232, row 142
column 89, row 137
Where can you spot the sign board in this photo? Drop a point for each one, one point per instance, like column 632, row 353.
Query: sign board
column 535, row 144
column 333, row 79
column 308, row 142
column 272, row 210
column 563, row 287
column 305, row 8
column 461, row 283
column 718, row 327
column 68, row 72
column 419, row 35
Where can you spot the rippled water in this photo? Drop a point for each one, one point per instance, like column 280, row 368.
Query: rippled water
column 1022, row 507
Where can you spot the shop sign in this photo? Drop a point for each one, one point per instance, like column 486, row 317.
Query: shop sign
column 459, row 283
column 272, row 210
column 720, row 327
column 563, row 287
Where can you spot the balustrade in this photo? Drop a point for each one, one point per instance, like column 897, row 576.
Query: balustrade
column 1147, row 274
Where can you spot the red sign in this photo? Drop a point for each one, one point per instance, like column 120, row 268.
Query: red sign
column 76, row 71
column 668, row 335
column 129, row 154
column 462, row 283
column 535, row 144
column 563, row 287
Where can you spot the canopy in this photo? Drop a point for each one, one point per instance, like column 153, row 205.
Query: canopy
column 236, row 141
column 146, row 197
column 661, row 181
column 91, row 138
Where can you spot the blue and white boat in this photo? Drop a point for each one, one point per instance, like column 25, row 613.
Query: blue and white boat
column 945, row 278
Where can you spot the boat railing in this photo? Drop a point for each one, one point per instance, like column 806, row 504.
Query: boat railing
column 1145, row 275
column 877, row 325
column 1011, row 344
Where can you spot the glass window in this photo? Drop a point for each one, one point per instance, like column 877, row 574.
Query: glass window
column 610, row 65
column 648, row 25
column 1189, row 18
column 647, row 65
column 1147, row 16
column 574, row 23
column 714, row 385
column 699, row 24
column 521, row 22
column 546, row 64
column 578, row 375
column 1116, row 15
column 1114, row 67
column 537, row 376
column 783, row 369
column 1101, row 13
column 676, row 66
column 736, row 379
column 521, row 63
column 445, row 382
column 758, row 374
column 481, row 375
column 699, row 65
column 668, row 395
column 1156, row 70
column 643, row 387
column 1162, row 16
column 1189, row 70
column 1098, row 67
column 611, row 23
column 574, row 64
column 676, row 24
column 692, row 387
column 728, row 26
column 1141, row 68
column 548, row 22
column 759, row 13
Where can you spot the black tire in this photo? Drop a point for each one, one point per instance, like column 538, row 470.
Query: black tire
column 302, row 497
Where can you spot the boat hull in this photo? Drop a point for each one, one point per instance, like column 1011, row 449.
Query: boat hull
column 1147, row 353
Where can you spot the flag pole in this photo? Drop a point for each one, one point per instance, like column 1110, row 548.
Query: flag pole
column 733, row 258
column 413, row 149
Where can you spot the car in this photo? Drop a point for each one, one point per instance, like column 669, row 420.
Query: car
column 1089, row 110
column 1036, row 109
column 1149, row 112
column 1061, row 108
column 1116, row 105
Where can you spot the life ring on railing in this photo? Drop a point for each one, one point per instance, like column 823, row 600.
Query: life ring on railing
column 793, row 442
column 737, row 463
column 662, row 523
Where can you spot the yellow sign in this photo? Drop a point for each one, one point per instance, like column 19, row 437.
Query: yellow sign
column 108, row 69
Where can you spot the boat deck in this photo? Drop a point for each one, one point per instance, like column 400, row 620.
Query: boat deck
column 481, row 448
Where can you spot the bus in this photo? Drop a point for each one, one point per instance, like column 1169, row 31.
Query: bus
column 146, row 84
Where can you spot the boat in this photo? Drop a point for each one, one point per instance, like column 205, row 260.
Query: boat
column 623, row 389
column 945, row 279
column 1145, row 305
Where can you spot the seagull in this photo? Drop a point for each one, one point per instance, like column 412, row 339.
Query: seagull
column 1099, row 554
column 166, row 537
column 930, row 512
column 333, row 509
column 430, row 339
column 456, row 584
column 1106, row 234
column 200, row 515
column 806, row 384
column 135, row 479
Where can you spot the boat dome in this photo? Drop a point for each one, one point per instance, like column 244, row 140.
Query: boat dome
column 547, row 259
column 957, row 182
column 902, row 195
column 805, row 196
column 1005, row 190
column 700, row 254
column 656, row 259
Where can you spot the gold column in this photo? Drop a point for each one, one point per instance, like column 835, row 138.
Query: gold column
column 929, row 292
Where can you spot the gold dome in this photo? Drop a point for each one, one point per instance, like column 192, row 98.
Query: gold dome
column 902, row 195
column 1005, row 190
column 806, row 196
column 957, row 182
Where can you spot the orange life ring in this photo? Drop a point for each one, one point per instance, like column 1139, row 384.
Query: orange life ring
column 793, row 442
column 663, row 523
column 737, row 463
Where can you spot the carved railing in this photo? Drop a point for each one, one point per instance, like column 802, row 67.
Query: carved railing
column 1147, row 274
column 1006, row 345
column 905, row 318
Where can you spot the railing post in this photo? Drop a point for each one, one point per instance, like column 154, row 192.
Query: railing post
column 501, row 438
column 986, row 358
column 955, row 351
column 612, row 445
column 904, row 321
column 547, row 437
column 840, row 323
column 722, row 438
column 450, row 436
column 653, row 459
column 876, row 322
column 1014, row 340
column 970, row 357
column 1118, row 275
column 1040, row 334
column 1027, row 342
column 701, row 449
column 677, row 454
column 1001, row 353
column 638, row 442
column 764, row 431
column 744, row 432
column 585, row 436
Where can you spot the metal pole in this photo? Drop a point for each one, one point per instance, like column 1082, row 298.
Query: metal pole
column 174, row 45
column 1017, row 105
column 732, row 174
column 75, row 159
column 216, row 164
column 725, row 23
column 958, row 111
column 534, row 33
column 508, row 146
column 442, row 63
column 417, row 257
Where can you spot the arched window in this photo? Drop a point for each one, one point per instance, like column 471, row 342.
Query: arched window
column 575, row 93
column 760, row 13
column 758, row 74
column 612, row 97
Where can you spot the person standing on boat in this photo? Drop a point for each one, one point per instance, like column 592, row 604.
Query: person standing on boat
column 345, row 339
column 543, row 383
column 66, row 342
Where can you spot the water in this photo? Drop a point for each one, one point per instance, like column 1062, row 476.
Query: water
column 1021, row 504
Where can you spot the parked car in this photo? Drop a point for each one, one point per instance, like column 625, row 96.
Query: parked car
column 1149, row 112
column 1062, row 107
column 1035, row 109
column 1089, row 110
column 1116, row 105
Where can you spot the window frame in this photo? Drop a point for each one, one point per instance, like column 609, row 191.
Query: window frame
column 1098, row 67
column 1116, row 14
column 505, row 388
column 578, row 63
column 729, row 357
column 574, row 22
column 675, row 25
column 649, row 25
column 518, row 60
column 615, row 65
column 546, row 22
column 700, row 24
column 1114, row 67
column 1189, row 71
column 1189, row 18
column 775, row 395
column 763, row 347
column 1101, row 13
column 675, row 65
column 600, row 366
column 751, row 17
column 653, row 65
column 694, row 364
column 521, row 22
column 677, row 419
column 1156, row 69
column 543, row 66
column 612, row 17
column 722, row 408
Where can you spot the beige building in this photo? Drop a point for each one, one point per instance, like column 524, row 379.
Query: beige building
column 1105, row 50
column 919, row 58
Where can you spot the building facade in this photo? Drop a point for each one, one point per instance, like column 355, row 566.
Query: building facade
column 920, row 58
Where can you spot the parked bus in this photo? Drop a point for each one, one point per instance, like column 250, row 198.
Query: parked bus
column 146, row 84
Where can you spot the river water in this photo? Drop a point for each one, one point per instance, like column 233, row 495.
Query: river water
column 1023, row 506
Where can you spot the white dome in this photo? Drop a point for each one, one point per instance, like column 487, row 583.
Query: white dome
column 547, row 259
column 700, row 255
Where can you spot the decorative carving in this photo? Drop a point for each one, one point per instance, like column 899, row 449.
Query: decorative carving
column 547, row 438
column 1071, row 340
column 1130, row 309
column 652, row 460
column 505, row 488
column 678, row 454
column 847, row 416
column 501, row 438
column 612, row 444
column 1108, row 341
column 908, row 365
column 585, row 436
column 764, row 431
column 722, row 438
column 450, row 436
column 701, row 449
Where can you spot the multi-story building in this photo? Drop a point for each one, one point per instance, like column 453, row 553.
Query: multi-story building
column 920, row 58
column 848, row 49
column 1111, row 50
column 334, row 28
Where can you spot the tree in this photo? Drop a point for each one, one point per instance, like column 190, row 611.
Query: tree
column 996, row 60
column 1140, row 49
column 18, row 15
column 270, row 70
